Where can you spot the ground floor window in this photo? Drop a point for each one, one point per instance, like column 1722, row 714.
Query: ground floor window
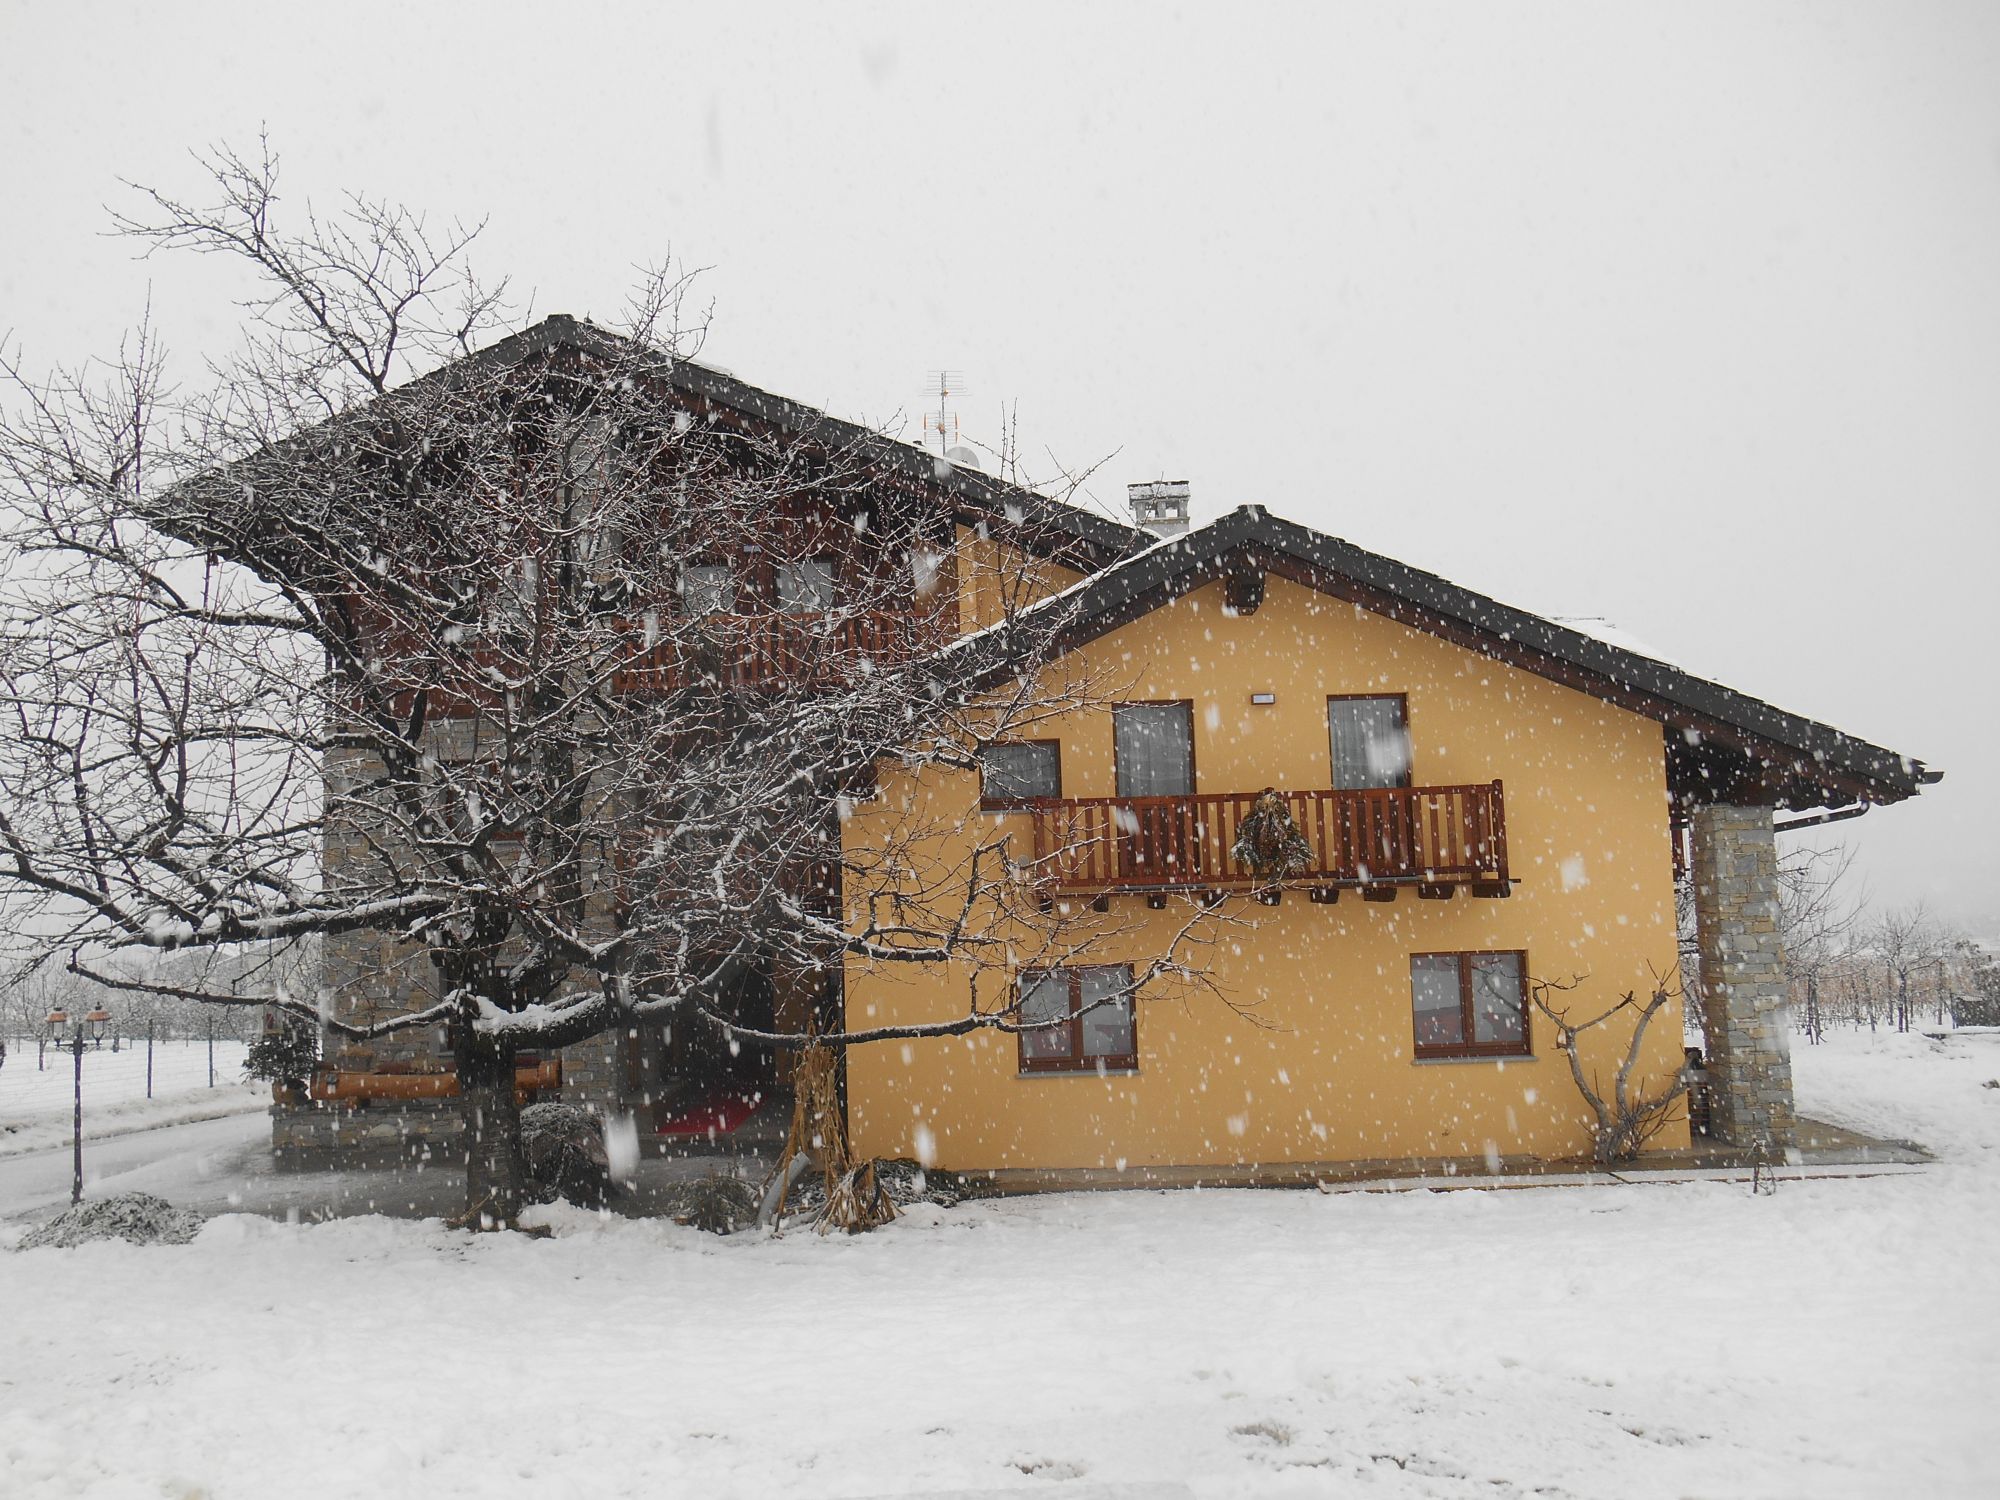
column 1091, row 1009
column 1470, row 1004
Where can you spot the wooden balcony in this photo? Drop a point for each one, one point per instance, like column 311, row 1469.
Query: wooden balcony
column 727, row 651
column 1432, row 837
column 736, row 651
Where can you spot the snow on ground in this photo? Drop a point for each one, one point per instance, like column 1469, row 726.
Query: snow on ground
column 1836, row 1338
column 36, row 1104
column 1910, row 1087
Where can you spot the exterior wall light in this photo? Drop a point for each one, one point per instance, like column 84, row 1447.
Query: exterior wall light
column 1263, row 698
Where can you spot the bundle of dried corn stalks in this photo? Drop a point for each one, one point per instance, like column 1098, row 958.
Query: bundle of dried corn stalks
column 855, row 1200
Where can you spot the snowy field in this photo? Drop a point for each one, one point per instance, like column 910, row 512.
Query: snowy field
column 1837, row 1338
column 35, row 1106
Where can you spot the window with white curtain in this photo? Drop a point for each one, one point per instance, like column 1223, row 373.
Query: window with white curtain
column 1371, row 741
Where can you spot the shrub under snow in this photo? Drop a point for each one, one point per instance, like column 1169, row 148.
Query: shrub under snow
column 139, row 1218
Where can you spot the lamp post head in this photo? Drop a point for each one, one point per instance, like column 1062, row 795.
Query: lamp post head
column 57, row 1018
column 97, row 1020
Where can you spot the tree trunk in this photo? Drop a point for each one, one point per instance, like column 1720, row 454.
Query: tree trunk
column 495, row 1167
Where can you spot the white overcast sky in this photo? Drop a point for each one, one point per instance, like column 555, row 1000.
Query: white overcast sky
column 1685, row 315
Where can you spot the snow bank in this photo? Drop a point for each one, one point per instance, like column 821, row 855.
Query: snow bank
column 136, row 1218
column 1835, row 1339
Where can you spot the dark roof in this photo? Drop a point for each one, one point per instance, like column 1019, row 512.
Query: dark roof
column 1729, row 747
column 1100, row 539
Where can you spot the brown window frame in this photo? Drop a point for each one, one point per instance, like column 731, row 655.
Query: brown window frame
column 1470, row 1047
column 1194, row 764
column 1016, row 804
column 1407, row 779
column 1075, row 1061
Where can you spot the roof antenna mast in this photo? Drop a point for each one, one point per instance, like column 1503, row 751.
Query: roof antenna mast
column 945, row 384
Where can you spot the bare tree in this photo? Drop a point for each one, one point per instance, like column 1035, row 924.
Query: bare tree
column 1905, row 941
column 423, row 651
column 1816, row 923
column 1860, row 976
column 1629, row 1112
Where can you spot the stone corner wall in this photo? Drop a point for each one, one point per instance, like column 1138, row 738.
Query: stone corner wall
column 593, row 1073
column 1743, row 991
column 374, row 976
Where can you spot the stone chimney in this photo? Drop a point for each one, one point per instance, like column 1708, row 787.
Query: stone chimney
column 1160, row 506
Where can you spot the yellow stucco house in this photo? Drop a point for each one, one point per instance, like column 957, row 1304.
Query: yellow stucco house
column 1482, row 799
column 1293, row 831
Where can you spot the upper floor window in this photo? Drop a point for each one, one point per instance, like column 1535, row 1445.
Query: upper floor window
column 1088, row 1016
column 1371, row 741
column 708, row 589
column 514, row 601
column 602, row 473
column 1016, row 773
column 1469, row 1004
column 805, row 587
column 1153, row 748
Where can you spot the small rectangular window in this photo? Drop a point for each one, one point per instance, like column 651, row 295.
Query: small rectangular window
column 1153, row 748
column 516, row 600
column 1087, row 1020
column 708, row 589
column 1371, row 742
column 1044, row 998
column 1104, row 1005
column 1498, row 1016
column 1015, row 774
column 1469, row 1004
column 1438, row 1005
column 805, row 587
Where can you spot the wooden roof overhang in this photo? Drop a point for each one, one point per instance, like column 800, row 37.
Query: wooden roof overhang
column 1044, row 527
column 888, row 470
column 1722, row 746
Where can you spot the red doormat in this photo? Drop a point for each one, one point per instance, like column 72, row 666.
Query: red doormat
column 717, row 1114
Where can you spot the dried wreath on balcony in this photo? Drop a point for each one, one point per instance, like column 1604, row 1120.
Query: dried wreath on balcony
column 1268, row 841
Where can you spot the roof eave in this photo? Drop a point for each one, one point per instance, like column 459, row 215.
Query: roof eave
column 1789, row 745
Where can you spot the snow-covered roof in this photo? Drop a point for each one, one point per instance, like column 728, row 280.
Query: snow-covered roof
column 1598, row 628
column 1731, row 746
column 1100, row 537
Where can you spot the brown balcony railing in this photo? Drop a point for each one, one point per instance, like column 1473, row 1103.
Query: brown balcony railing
column 731, row 651
column 1437, row 835
column 755, row 650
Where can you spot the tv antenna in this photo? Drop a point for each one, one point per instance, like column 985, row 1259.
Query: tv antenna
column 944, row 384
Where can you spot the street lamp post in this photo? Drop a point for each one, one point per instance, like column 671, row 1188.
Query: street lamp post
column 88, row 1028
